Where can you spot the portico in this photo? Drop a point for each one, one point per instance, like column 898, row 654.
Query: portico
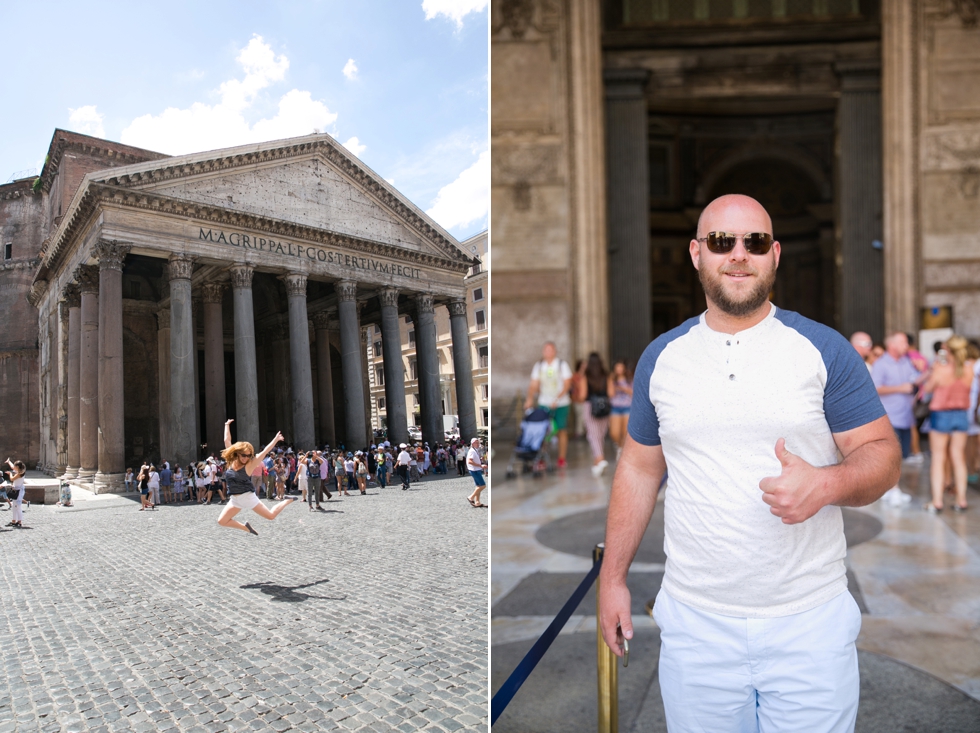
column 191, row 286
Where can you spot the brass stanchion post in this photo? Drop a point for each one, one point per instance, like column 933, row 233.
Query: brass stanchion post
column 607, row 667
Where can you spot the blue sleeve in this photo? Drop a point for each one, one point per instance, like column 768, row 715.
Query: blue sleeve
column 644, row 427
column 850, row 398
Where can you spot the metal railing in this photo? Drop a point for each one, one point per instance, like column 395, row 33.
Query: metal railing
column 606, row 666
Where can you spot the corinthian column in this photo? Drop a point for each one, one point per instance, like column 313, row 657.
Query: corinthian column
column 324, row 378
column 352, row 362
column 73, row 297
column 246, row 381
column 427, row 359
column 463, row 369
column 183, row 407
column 87, row 277
column 215, row 408
column 163, row 380
column 300, row 370
column 394, row 369
column 112, row 448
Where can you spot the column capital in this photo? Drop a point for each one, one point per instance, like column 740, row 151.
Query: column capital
column 346, row 290
column 72, row 295
column 213, row 291
column 111, row 253
column 321, row 320
column 63, row 310
column 181, row 267
column 241, row 276
column 457, row 308
column 388, row 297
column 87, row 277
column 424, row 303
column 295, row 284
column 163, row 318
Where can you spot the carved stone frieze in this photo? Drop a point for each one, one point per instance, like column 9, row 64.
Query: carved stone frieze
column 424, row 303
column 214, row 291
column 457, row 308
column 388, row 297
column 72, row 295
column 181, row 267
column 295, row 284
column 30, row 264
column 111, row 253
column 241, row 276
column 533, row 163
column 346, row 290
column 951, row 149
column 87, row 277
column 163, row 318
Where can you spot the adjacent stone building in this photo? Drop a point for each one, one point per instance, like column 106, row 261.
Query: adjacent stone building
column 855, row 122
column 167, row 294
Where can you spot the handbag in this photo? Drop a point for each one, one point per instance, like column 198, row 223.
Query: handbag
column 600, row 404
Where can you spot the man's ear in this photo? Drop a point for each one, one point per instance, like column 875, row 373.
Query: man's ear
column 695, row 251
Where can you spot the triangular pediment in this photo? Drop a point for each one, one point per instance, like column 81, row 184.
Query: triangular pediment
column 312, row 182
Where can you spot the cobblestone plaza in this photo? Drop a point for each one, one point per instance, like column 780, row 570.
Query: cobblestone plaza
column 370, row 616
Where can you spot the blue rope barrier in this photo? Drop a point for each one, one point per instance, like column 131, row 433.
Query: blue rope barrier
column 507, row 691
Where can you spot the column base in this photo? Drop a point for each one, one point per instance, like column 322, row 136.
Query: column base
column 70, row 473
column 86, row 475
column 109, row 483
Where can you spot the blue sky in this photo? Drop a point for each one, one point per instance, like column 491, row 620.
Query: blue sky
column 402, row 83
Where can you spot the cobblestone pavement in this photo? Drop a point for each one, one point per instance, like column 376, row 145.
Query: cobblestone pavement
column 371, row 616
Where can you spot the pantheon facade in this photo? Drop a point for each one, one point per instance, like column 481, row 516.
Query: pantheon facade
column 855, row 122
column 167, row 294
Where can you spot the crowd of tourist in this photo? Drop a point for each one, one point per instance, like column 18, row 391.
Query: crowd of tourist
column 936, row 396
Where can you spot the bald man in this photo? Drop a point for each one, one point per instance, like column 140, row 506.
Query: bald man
column 862, row 344
column 746, row 408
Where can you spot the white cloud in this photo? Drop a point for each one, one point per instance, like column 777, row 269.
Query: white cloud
column 350, row 69
column 466, row 199
column 455, row 10
column 354, row 145
column 207, row 127
column 86, row 120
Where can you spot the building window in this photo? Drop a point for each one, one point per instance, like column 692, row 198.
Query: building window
column 415, row 398
column 485, row 392
column 481, row 320
column 408, row 320
column 377, row 348
column 477, row 295
column 379, row 376
column 413, row 367
column 8, row 251
column 486, row 417
column 411, row 339
column 381, row 403
column 483, row 356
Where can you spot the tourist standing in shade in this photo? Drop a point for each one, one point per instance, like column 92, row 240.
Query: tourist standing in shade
column 403, row 464
column 19, row 471
column 620, row 397
column 551, row 388
column 595, row 410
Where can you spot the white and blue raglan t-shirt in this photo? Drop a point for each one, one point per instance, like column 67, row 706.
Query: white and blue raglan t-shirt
column 718, row 403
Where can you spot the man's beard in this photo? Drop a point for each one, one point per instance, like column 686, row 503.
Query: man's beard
column 745, row 303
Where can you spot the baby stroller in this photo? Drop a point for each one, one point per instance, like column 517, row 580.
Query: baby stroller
column 531, row 450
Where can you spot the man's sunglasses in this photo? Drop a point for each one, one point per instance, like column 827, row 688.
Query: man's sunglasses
column 720, row 243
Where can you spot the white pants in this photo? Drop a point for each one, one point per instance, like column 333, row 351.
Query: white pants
column 18, row 510
column 793, row 673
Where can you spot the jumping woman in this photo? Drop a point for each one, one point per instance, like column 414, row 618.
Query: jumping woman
column 242, row 462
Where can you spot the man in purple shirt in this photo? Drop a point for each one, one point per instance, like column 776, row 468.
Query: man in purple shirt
column 897, row 381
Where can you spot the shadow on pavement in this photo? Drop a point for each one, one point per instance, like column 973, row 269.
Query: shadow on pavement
column 290, row 594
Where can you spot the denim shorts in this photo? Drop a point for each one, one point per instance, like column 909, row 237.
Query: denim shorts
column 478, row 478
column 949, row 421
column 620, row 411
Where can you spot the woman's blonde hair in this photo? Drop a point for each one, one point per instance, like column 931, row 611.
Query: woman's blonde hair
column 957, row 349
column 231, row 452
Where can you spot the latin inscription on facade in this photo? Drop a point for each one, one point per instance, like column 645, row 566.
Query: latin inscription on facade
column 317, row 254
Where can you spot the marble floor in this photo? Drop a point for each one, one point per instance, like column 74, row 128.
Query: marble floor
column 919, row 576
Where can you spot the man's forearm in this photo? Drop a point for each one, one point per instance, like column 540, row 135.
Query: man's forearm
column 631, row 504
column 864, row 475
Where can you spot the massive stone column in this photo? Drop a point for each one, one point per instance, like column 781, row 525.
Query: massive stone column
column 394, row 369
column 463, row 369
column 215, row 408
column 112, row 447
column 365, row 378
column 87, row 277
column 62, row 387
column 53, row 381
column 163, row 382
column 860, row 199
column 183, row 407
column 73, row 297
column 352, row 363
column 300, row 370
column 282, row 415
column 246, row 379
column 324, row 378
column 628, row 202
column 427, row 358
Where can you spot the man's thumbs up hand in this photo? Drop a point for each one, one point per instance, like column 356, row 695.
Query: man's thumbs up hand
column 794, row 495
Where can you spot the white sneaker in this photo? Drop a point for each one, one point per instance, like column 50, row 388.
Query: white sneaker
column 915, row 459
column 895, row 497
column 597, row 470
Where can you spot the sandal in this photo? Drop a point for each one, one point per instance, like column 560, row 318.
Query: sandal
column 959, row 509
column 249, row 528
column 470, row 500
